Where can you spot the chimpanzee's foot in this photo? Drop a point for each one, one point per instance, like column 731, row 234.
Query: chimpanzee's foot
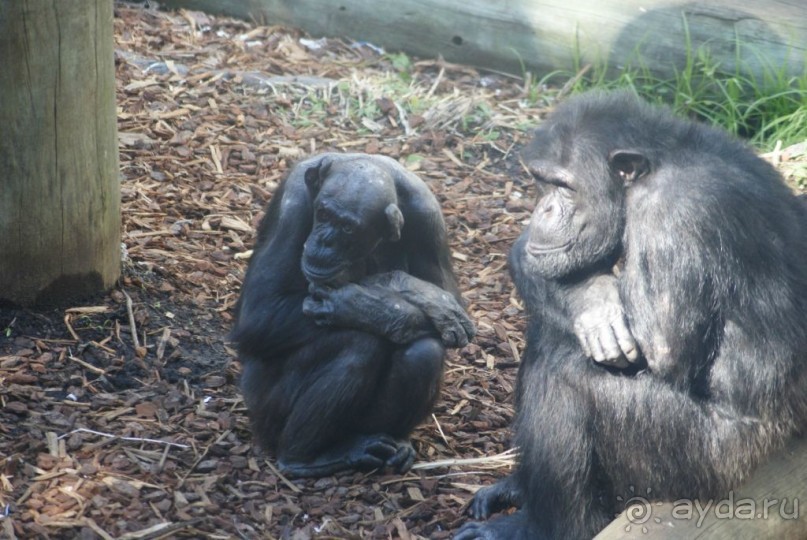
column 497, row 497
column 364, row 453
column 511, row 527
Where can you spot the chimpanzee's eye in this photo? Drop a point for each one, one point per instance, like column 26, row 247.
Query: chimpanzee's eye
column 348, row 228
column 546, row 175
column 322, row 215
column 556, row 182
column 563, row 184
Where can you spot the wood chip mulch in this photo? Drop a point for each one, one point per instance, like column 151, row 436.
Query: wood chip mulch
column 121, row 417
column 105, row 435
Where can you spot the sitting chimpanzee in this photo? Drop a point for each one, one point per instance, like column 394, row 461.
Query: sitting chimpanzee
column 346, row 311
column 677, row 260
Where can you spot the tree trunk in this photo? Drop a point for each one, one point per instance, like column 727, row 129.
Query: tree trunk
column 59, row 186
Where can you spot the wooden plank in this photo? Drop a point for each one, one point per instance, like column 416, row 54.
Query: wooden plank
column 772, row 504
column 59, row 185
column 541, row 35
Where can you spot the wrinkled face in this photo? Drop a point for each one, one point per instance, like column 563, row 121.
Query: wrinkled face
column 351, row 205
column 579, row 215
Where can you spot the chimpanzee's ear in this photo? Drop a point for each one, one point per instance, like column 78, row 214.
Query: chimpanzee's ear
column 396, row 221
column 315, row 175
column 629, row 165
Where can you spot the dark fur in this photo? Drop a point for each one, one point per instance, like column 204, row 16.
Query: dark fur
column 336, row 375
column 714, row 286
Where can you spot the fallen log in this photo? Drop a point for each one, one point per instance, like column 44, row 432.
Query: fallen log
column 543, row 36
column 772, row 504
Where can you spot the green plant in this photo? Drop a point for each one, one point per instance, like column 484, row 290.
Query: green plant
column 765, row 107
column 9, row 329
column 402, row 64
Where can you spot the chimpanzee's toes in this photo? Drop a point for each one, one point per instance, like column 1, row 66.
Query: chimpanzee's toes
column 403, row 459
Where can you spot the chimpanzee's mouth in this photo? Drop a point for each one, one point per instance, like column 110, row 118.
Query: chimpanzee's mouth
column 537, row 250
column 322, row 275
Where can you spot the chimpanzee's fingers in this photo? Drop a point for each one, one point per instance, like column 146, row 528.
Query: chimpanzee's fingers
column 445, row 311
column 586, row 347
column 453, row 337
column 318, row 310
column 608, row 343
column 473, row 531
column 382, row 447
column 403, row 459
column 310, row 305
column 625, row 339
column 613, row 358
column 596, row 347
column 452, row 334
column 467, row 326
column 582, row 337
column 601, row 352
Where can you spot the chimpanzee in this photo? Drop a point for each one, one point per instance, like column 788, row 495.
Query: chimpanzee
column 345, row 314
column 664, row 271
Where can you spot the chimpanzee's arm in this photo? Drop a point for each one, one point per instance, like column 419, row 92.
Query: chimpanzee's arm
column 441, row 308
column 588, row 306
column 599, row 321
column 269, row 312
column 373, row 306
column 424, row 237
column 371, row 309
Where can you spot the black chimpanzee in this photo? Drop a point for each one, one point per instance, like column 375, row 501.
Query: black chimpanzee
column 677, row 260
column 346, row 311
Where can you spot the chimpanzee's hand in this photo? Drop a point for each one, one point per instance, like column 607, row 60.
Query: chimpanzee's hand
column 350, row 305
column 601, row 326
column 320, row 305
column 447, row 316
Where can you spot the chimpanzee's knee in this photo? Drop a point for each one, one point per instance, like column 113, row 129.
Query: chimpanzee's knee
column 423, row 359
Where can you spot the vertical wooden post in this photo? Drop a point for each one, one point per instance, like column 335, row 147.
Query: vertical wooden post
column 59, row 185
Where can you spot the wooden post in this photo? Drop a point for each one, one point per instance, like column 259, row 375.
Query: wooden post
column 59, row 185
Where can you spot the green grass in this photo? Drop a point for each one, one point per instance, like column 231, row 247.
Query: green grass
column 367, row 98
column 767, row 108
column 764, row 108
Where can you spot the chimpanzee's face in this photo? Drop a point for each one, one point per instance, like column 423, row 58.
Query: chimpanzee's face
column 350, row 220
column 579, row 215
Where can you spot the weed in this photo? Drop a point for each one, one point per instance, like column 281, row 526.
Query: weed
column 402, row 64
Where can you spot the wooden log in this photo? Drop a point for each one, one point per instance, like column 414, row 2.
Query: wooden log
column 542, row 36
column 60, row 195
column 772, row 504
